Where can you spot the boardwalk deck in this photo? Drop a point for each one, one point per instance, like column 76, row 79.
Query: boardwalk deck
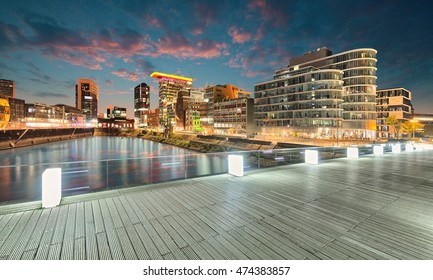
column 371, row 208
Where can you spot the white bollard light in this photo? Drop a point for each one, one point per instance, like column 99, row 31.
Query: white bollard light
column 312, row 156
column 352, row 152
column 236, row 165
column 396, row 148
column 51, row 187
column 409, row 147
column 378, row 150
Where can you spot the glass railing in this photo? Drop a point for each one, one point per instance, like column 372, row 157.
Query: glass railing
column 21, row 183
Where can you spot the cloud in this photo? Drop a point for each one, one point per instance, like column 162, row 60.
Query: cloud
column 144, row 66
column 273, row 12
column 109, row 82
column 10, row 35
column 50, row 94
column 238, row 35
column 175, row 44
column 131, row 76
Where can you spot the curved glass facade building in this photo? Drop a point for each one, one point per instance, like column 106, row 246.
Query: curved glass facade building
column 331, row 95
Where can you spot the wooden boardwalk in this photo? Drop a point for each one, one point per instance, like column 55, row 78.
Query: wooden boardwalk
column 370, row 208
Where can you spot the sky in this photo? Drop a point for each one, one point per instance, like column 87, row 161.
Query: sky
column 45, row 45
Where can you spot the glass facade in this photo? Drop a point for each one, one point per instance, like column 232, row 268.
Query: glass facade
column 86, row 98
column 141, row 104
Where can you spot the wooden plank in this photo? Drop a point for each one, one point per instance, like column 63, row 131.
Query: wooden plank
column 44, row 245
column 204, row 219
column 113, row 242
column 175, row 236
column 132, row 214
column 188, row 226
column 29, row 255
column 79, row 221
column 143, row 207
column 150, row 247
column 38, row 231
column 166, row 238
column 185, row 234
column 125, row 243
column 200, row 252
column 209, row 249
column 90, row 232
column 235, row 252
column 115, row 217
column 80, row 249
column 202, row 228
column 20, row 246
column 189, row 253
column 103, row 247
column 8, row 228
column 97, row 217
column 156, row 238
column 59, row 229
column 248, row 252
column 68, row 238
column 16, row 235
column 54, row 251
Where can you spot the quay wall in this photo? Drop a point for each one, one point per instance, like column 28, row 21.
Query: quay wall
column 14, row 138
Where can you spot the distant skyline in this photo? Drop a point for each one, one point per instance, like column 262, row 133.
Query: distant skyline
column 46, row 46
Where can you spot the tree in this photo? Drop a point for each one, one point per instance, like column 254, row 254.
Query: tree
column 411, row 127
column 394, row 123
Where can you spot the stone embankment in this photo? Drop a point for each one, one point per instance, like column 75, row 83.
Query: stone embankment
column 211, row 143
column 15, row 138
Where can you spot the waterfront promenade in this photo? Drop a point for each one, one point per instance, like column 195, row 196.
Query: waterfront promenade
column 368, row 208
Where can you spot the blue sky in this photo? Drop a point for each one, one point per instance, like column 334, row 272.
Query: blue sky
column 46, row 46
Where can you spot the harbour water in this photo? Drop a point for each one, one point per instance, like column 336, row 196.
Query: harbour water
column 99, row 163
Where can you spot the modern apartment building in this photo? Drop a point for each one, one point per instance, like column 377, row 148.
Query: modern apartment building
column 141, row 104
column 5, row 112
column 86, row 98
column 234, row 117
column 7, row 88
column 392, row 102
column 169, row 86
column 320, row 95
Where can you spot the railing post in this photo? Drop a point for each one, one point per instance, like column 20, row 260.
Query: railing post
column 51, row 187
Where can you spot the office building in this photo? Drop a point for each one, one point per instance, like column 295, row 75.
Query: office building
column 141, row 104
column 392, row 102
column 86, row 98
column 320, row 95
column 7, row 88
column 169, row 86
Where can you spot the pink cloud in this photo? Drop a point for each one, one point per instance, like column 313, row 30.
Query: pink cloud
column 238, row 35
column 153, row 21
column 131, row 76
column 270, row 12
column 251, row 73
column 178, row 46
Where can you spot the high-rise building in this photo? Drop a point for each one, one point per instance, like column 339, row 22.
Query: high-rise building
column 86, row 98
column 18, row 112
column 226, row 92
column 392, row 102
column 169, row 86
column 141, row 104
column 320, row 95
column 7, row 88
column 5, row 112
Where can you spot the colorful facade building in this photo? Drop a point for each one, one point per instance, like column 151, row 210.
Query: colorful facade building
column 169, row 86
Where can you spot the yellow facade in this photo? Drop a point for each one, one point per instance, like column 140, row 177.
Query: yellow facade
column 227, row 92
column 5, row 112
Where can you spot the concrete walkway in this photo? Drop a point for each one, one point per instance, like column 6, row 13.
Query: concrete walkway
column 369, row 208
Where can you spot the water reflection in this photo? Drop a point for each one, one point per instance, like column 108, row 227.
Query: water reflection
column 98, row 163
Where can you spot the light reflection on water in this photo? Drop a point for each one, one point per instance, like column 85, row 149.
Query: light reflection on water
column 97, row 163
